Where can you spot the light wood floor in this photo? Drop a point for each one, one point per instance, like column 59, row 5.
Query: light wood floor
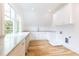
column 43, row 48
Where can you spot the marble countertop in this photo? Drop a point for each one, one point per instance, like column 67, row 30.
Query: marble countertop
column 10, row 41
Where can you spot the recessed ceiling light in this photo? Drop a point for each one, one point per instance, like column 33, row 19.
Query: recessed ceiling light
column 32, row 8
column 49, row 10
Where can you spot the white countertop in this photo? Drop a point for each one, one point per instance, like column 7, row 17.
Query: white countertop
column 10, row 41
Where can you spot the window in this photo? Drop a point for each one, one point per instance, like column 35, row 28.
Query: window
column 11, row 25
column 8, row 23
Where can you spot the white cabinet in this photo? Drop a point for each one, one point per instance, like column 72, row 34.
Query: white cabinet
column 40, row 35
column 27, row 40
column 19, row 50
column 63, row 16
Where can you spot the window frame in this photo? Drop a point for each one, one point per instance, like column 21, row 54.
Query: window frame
column 13, row 19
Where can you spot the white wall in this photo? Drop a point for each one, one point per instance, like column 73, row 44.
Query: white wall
column 32, row 19
column 38, row 14
column 74, row 44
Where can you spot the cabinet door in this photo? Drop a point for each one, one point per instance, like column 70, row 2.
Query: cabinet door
column 27, row 40
column 57, row 18
column 63, row 16
column 19, row 50
column 67, row 14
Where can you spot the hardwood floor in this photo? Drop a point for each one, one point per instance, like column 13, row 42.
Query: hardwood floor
column 43, row 48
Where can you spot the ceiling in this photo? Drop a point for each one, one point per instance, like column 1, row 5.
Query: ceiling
column 38, row 7
column 37, row 13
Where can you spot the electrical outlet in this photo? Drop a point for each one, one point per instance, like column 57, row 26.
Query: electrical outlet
column 66, row 40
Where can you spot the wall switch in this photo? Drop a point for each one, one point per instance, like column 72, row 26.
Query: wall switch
column 61, row 32
column 69, row 36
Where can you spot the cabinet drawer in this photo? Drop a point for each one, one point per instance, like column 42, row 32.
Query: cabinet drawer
column 19, row 50
column 27, row 40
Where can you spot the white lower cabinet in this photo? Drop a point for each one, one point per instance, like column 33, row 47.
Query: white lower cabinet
column 27, row 40
column 19, row 50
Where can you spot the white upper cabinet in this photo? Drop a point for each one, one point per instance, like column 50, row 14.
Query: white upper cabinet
column 63, row 16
